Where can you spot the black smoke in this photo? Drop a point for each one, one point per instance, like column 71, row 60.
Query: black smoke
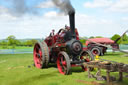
column 64, row 5
column 19, row 7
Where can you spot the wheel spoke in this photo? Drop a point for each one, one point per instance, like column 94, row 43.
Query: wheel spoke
column 65, row 68
column 38, row 62
column 64, row 63
column 37, row 55
column 61, row 59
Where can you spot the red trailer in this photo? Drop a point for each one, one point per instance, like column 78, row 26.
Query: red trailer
column 98, row 49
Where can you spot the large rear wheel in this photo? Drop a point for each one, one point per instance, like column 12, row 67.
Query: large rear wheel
column 41, row 54
column 63, row 63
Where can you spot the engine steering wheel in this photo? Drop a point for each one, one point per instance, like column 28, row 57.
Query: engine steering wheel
column 61, row 30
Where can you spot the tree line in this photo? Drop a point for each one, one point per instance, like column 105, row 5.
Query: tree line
column 12, row 42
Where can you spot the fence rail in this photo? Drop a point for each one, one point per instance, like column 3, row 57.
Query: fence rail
column 16, row 51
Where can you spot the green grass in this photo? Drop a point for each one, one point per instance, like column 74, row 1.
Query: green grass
column 117, row 56
column 14, row 70
column 23, row 47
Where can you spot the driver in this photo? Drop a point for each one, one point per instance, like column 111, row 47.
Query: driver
column 52, row 33
column 67, row 28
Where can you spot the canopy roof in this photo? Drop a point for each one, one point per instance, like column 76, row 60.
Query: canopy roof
column 100, row 40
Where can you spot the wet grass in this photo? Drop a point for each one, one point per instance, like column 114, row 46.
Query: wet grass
column 17, row 69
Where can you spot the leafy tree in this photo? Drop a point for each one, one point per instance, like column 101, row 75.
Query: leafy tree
column 4, row 44
column 125, row 37
column 82, row 41
column 98, row 37
column 33, row 41
column 115, row 37
column 30, row 42
column 91, row 37
column 18, row 43
column 95, row 37
column 11, row 41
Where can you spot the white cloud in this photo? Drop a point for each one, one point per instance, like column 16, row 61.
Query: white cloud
column 125, row 19
column 119, row 6
column 5, row 15
column 30, row 26
column 98, row 3
column 51, row 14
column 46, row 4
column 41, row 26
column 109, row 5
column 3, row 10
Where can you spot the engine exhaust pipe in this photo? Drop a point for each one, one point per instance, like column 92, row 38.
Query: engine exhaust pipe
column 72, row 23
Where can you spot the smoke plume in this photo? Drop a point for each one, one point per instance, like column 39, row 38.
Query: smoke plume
column 64, row 5
column 19, row 7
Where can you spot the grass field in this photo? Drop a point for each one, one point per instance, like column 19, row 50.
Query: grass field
column 17, row 69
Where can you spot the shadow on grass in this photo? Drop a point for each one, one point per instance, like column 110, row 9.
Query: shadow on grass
column 72, row 69
column 77, row 69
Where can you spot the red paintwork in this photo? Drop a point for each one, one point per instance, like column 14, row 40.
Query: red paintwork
column 74, row 65
column 77, row 34
column 85, row 48
column 95, row 52
column 59, row 60
column 54, row 39
column 37, row 60
column 87, row 60
column 100, row 40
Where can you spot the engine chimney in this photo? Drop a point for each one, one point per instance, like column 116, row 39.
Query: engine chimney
column 72, row 23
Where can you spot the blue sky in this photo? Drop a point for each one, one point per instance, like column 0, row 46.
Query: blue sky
column 36, row 18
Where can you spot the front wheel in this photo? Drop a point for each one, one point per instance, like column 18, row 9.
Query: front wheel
column 63, row 63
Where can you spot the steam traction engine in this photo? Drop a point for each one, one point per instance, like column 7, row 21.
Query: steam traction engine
column 63, row 48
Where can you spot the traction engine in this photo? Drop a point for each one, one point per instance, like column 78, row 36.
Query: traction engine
column 63, row 48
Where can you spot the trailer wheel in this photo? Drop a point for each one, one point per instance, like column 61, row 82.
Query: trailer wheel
column 96, row 51
column 63, row 63
column 40, row 53
column 86, row 56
